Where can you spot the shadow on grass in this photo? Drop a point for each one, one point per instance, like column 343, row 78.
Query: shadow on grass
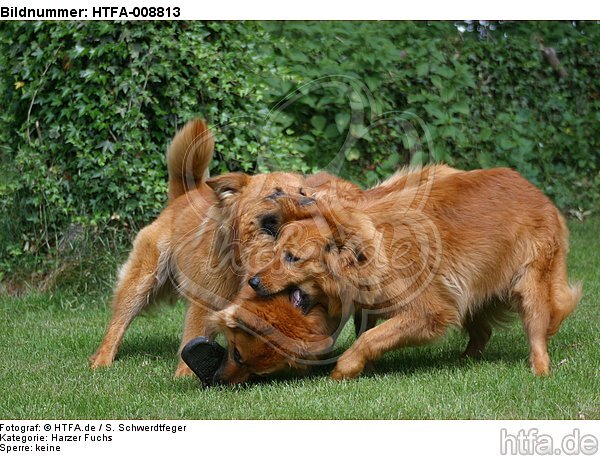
column 509, row 351
column 420, row 363
column 159, row 347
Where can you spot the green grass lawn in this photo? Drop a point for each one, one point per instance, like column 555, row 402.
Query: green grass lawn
column 46, row 341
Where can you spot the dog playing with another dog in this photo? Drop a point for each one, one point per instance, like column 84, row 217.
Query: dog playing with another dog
column 462, row 249
column 201, row 246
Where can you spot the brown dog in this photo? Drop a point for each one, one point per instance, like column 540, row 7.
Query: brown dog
column 293, row 336
column 459, row 250
column 266, row 335
column 204, row 242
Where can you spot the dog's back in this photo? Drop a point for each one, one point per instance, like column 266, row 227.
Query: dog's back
column 501, row 238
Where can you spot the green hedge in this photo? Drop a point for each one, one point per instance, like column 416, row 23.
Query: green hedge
column 88, row 109
column 486, row 99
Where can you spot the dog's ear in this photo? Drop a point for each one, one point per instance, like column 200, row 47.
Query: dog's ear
column 308, row 346
column 249, row 321
column 344, row 258
column 301, row 344
column 351, row 251
column 356, row 251
column 346, row 228
column 228, row 185
column 339, row 221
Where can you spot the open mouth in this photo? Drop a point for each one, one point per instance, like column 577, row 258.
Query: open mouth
column 300, row 300
column 296, row 297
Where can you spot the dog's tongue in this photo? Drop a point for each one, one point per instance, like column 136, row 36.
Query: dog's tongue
column 296, row 298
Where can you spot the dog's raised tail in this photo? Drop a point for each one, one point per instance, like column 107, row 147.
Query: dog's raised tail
column 188, row 157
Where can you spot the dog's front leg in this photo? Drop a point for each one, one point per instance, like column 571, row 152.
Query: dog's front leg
column 195, row 325
column 352, row 363
column 416, row 324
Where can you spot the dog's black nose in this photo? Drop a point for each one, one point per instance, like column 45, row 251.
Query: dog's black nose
column 254, row 282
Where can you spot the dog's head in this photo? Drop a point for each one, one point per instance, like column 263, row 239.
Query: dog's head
column 243, row 201
column 249, row 207
column 321, row 251
column 265, row 335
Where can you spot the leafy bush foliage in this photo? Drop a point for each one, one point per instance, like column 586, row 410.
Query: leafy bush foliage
column 484, row 99
column 89, row 108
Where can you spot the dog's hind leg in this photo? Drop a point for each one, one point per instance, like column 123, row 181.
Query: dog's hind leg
column 534, row 290
column 496, row 312
column 363, row 321
column 479, row 331
column 140, row 279
column 546, row 300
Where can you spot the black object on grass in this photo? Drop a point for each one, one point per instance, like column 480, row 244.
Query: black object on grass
column 204, row 357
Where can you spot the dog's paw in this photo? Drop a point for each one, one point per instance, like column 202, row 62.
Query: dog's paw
column 540, row 365
column 346, row 369
column 472, row 353
column 99, row 359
